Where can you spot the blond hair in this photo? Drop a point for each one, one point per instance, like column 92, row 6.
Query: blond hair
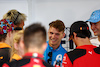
column 16, row 39
column 18, row 36
column 15, row 16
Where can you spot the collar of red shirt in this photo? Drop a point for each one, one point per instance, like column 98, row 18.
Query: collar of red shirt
column 34, row 54
column 86, row 47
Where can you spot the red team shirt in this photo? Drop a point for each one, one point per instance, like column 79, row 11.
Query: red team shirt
column 29, row 60
column 82, row 56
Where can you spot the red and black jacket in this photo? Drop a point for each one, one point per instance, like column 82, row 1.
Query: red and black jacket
column 29, row 60
column 82, row 56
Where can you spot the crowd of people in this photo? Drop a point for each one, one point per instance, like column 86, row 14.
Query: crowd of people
column 28, row 47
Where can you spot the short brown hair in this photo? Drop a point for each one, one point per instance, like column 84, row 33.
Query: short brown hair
column 34, row 35
column 58, row 24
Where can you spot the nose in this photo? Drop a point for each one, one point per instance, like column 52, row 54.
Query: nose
column 53, row 36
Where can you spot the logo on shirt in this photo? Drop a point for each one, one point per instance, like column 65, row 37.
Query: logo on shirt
column 36, row 60
column 58, row 58
column 90, row 52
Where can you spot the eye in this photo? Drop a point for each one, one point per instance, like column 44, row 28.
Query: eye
column 51, row 32
column 57, row 34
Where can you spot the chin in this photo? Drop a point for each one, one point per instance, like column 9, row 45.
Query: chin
column 53, row 44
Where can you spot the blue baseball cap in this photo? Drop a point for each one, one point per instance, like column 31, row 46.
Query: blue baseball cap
column 95, row 17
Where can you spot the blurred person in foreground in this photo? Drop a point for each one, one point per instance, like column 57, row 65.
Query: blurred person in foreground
column 34, row 46
column 85, row 54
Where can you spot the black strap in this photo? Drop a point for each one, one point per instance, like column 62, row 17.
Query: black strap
column 18, row 28
column 16, row 18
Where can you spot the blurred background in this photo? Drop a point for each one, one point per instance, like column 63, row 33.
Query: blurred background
column 46, row 11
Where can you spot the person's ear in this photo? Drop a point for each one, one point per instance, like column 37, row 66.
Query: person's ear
column 44, row 46
column 48, row 32
column 75, row 35
column 63, row 35
column 71, row 37
column 22, row 24
column 16, row 46
column 9, row 34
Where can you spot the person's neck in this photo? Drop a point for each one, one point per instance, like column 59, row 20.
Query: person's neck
column 82, row 42
column 6, row 41
column 2, row 41
column 32, row 50
column 20, row 53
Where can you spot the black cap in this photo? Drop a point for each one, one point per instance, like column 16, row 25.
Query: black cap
column 81, row 28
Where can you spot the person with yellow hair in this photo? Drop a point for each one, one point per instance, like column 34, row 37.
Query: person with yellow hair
column 17, row 48
column 16, row 17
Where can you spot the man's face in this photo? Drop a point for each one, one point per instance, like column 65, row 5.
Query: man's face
column 96, row 28
column 55, row 37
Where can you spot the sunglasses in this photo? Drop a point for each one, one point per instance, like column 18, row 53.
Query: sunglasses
column 50, row 59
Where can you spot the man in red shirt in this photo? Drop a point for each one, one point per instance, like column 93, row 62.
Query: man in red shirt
column 85, row 54
column 34, row 44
